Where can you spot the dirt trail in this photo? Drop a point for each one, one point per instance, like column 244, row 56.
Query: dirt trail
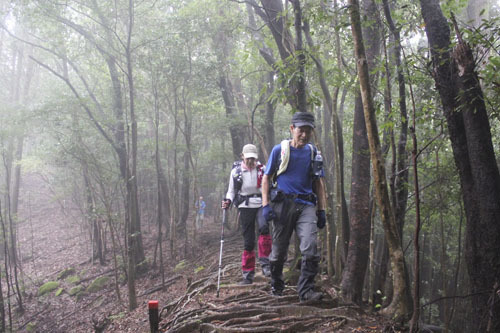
column 52, row 239
column 251, row 308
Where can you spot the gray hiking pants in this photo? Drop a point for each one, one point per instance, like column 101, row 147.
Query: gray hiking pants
column 301, row 218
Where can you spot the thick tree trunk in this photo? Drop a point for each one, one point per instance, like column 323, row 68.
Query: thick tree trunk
column 356, row 265
column 470, row 136
column 357, row 256
column 400, row 303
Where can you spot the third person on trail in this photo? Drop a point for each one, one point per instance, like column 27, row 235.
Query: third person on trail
column 297, row 204
column 200, row 212
column 244, row 192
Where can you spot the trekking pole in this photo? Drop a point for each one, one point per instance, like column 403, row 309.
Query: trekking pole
column 221, row 245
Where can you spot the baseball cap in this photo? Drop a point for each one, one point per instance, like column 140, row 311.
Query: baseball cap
column 303, row 119
column 249, row 151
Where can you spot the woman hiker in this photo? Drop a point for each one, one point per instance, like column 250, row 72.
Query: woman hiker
column 244, row 192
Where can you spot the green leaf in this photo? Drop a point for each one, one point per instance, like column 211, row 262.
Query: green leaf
column 495, row 61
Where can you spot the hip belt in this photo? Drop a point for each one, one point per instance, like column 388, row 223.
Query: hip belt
column 278, row 196
column 245, row 198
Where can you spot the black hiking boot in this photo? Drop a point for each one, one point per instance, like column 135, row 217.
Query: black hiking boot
column 311, row 296
column 245, row 282
column 276, row 292
column 277, row 283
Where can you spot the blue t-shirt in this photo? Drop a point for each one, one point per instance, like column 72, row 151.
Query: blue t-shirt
column 201, row 207
column 297, row 178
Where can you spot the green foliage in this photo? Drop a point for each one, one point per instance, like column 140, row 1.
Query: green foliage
column 118, row 316
column 31, row 327
column 453, row 6
column 180, row 266
column 75, row 291
column 48, row 287
column 484, row 40
column 59, row 291
column 98, row 284
column 199, row 269
column 73, row 279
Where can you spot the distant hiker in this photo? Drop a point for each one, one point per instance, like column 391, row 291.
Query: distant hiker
column 244, row 192
column 297, row 203
column 200, row 212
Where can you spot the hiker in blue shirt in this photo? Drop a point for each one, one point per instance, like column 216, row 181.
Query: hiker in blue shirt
column 200, row 213
column 296, row 204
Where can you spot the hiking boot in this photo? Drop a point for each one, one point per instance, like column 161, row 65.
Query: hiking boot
column 277, row 283
column 245, row 282
column 311, row 295
column 276, row 292
column 266, row 271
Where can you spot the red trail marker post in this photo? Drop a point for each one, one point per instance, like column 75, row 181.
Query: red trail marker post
column 154, row 320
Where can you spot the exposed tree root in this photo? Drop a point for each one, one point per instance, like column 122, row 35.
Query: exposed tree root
column 247, row 317
column 248, row 308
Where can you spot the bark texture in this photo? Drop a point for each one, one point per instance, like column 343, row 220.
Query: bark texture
column 400, row 303
column 359, row 241
column 470, row 135
column 357, row 256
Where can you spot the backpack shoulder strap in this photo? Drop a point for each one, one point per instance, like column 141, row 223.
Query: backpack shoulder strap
column 314, row 151
column 284, row 156
column 237, row 177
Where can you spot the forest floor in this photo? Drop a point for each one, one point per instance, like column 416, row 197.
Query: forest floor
column 51, row 241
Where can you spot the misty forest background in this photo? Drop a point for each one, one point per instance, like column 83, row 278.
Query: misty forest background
column 130, row 110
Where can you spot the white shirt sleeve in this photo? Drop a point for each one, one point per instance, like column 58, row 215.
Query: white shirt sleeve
column 230, row 189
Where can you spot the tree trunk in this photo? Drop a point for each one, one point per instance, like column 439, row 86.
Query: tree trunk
column 330, row 155
column 136, row 251
column 356, row 264
column 337, row 128
column 401, row 173
column 228, row 92
column 7, row 278
column 275, row 16
column 470, row 135
column 267, row 55
column 270, row 111
column 357, row 255
column 159, row 189
column 414, row 323
column 400, row 303
column 184, row 204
